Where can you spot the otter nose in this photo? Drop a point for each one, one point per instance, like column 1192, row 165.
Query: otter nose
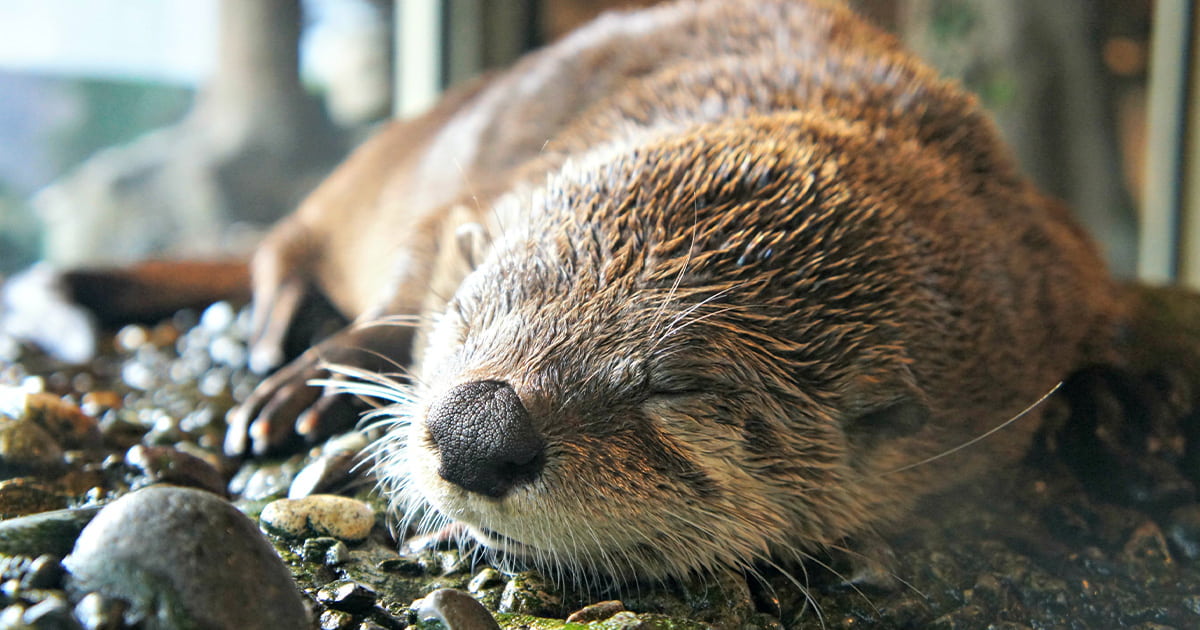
column 485, row 440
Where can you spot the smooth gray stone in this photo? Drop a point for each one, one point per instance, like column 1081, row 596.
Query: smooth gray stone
column 185, row 558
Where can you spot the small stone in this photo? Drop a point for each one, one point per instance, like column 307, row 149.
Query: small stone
column 52, row 533
column 319, row 515
column 131, row 337
column 527, row 593
column 455, row 609
column 62, row 419
column 13, row 617
column 217, row 317
column 227, row 351
column 164, row 334
column 401, row 566
column 44, row 572
column 485, row 579
column 185, row 558
column 25, row 447
column 265, row 482
column 337, row 554
column 596, row 612
column 348, row 596
column 139, row 376
column 167, row 465
column 22, row 497
column 97, row 612
column 314, row 549
column 336, row 620
column 97, row 402
column 52, row 613
column 330, row 472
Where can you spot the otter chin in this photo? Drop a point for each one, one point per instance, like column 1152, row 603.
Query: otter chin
column 696, row 287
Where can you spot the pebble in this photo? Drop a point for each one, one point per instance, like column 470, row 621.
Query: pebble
column 62, row 419
column 596, row 612
column 131, row 337
column 319, row 515
column 326, row 550
column 527, row 593
column 217, row 317
column 26, row 447
column 336, row 620
column 44, row 571
column 97, row 612
column 265, row 482
column 179, row 554
column 330, row 472
column 485, row 579
column 52, row 613
column 52, row 533
column 455, row 609
column 164, row 464
column 95, row 403
column 23, row 496
column 347, row 595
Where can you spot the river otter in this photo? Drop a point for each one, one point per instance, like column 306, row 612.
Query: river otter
column 694, row 287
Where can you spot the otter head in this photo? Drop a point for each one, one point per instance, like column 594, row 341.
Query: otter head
column 689, row 353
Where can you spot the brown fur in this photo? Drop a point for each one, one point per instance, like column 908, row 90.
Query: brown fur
column 741, row 262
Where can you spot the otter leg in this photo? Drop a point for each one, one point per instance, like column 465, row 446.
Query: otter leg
column 287, row 406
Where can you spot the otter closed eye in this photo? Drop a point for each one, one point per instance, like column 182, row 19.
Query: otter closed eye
column 706, row 285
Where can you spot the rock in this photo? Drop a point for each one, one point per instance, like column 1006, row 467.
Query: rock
column 185, row 558
column 51, row 533
column 329, row 472
column 485, row 579
column 528, row 593
column 455, row 609
column 97, row 612
column 25, row 447
column 169, row 465
column 596, row 612
column 52, row 613
column 25, row 496
column 326, row 550
column 319, row 515
column 336, row 620
column 45, row 571
column 346, row 595
column 258, row 482
column 66, row 423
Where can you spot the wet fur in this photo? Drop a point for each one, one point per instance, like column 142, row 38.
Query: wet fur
column 742, row 262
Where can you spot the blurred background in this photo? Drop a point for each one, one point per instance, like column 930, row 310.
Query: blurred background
column 182, row 128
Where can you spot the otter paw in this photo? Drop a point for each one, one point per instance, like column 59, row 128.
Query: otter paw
column 286, row 411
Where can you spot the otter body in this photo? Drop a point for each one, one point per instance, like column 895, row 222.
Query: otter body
column 694, row 287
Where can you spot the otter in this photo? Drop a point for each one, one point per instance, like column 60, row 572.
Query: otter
column 697, row 286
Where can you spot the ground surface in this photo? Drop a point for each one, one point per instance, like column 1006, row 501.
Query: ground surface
column 1027, row 547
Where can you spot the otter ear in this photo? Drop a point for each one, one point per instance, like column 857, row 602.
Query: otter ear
column 894, row 419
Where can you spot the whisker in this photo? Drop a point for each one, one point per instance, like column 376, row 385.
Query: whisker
column 980, row 437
